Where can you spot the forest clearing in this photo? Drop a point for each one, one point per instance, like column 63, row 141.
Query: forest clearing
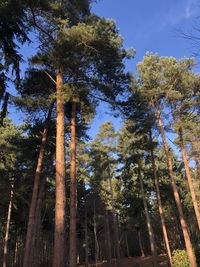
column 99, row 143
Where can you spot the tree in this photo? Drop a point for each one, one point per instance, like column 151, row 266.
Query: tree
column 159, row 78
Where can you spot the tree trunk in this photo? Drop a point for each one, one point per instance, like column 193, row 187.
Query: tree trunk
column 37, row 230
column 108, row 242
column 72, row 237
column 86, row 239
column 116, row 231
column 59, row 257
column 149, row 225
column 140, row 244
column 189, row 178
column 5, row 250
column 32, row 209
column 186, row 236
column 95, row 237
column 127, row 246
column 160, row 207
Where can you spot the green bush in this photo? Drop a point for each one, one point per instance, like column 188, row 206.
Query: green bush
column 180, row 258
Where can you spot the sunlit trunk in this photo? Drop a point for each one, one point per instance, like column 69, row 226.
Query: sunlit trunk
column 149, row 225
column 72, row 234
column 189, row 178
column 59, row 257
column 5, row 250
column 31, row 219
column 160, row 207
column 37, row 230
column 184, row 227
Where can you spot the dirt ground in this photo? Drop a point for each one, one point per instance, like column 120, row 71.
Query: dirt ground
column 133, row 262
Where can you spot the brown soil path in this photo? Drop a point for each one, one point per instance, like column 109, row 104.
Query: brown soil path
column 133, row 262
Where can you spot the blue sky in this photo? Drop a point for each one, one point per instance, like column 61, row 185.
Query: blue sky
column 149, row 25
column 146, row 25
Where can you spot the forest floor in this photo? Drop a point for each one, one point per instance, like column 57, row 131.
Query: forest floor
column 133, row 262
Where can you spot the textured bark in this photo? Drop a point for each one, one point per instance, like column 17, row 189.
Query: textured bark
column 149, row 225
column 5, row 250
column 184, row 227
column 32, row 210
column 36, row 240
column 160, row 207
column 189, row 178
column 59, row 257
column 72, row 235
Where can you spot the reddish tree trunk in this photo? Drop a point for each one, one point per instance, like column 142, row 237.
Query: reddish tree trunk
column 149, row 225
column 72, row 237
column 32, row 209
column 184, row 227
column 189, row 178
column 160, row 207
column 59, row 257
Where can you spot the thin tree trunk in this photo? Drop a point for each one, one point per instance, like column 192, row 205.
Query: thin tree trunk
column 149, row 225
column 140, row 244
column 160, row 207
column 108, row 243
column 86, row 239
column 72, row 237
column 95, row 236
column 116, row 231
column 5, row 250
column 59, row 257
column 16, row 252
column 186, row 236
column 127, row 246
column 189, row 178
column 37, row 230
column 32, row 209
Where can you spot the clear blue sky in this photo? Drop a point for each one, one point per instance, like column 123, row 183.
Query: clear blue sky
column 146, row 25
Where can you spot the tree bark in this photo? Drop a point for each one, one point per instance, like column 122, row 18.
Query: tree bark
column 32, row 210
column 149, row 225
column 186, row 236
column 72, row 237
column 5, row 250
column 37, row 230
column 160, row 207
column 59, row 257
column 189, row 178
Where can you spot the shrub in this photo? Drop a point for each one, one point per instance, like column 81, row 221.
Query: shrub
column 180, row 258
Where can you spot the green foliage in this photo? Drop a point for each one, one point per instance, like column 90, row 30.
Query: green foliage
column 180, row 258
